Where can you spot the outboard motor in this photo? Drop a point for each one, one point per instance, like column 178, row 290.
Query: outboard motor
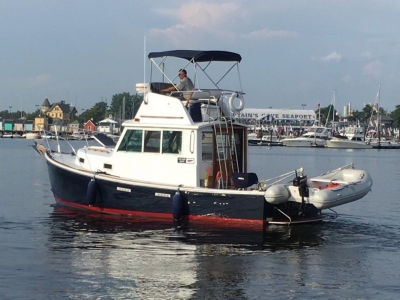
column 301, row 182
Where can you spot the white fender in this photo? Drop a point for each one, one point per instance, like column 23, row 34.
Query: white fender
column 234, row 108
column 276, row 194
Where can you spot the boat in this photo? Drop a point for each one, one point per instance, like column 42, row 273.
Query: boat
column 176, row 163
column 32, row 135
column 10, row 135
column 382, row 143
column 353, row 138
column 266, row 140
column 379, row 142
column 315, row 136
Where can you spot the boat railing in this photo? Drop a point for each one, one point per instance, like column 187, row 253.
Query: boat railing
column 213, row 103
column 348, row 166
column 48, row 135
column 264, row 184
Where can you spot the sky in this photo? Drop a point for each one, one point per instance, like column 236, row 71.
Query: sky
column 293, row 52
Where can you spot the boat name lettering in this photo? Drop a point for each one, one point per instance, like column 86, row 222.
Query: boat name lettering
column 162, row 195
column 123, row 189
column 184, row 160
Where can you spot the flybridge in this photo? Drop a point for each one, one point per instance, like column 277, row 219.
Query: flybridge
column 201, row 60
column 198, row 55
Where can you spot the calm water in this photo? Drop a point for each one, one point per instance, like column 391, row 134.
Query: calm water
column 50, row 253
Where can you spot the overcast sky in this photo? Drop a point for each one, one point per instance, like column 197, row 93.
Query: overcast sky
column 293, row 52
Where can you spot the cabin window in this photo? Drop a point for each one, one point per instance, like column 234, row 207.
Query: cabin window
column 132, row 141
column 171, row 141
column 207, row 145
column 221, row 141
column 152, row 141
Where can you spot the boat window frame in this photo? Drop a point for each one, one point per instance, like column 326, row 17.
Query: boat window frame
column 205, row 155
column 171, row 144
column 147, row 136
column 129, row 134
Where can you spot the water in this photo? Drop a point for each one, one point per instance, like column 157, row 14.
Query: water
column 52, row 253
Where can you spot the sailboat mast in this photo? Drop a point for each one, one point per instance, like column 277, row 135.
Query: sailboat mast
column 333, row 109
column 378, row 117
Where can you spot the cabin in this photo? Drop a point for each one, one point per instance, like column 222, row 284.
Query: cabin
column 41, row 123
column 8, row 125
column 164, row 134
column 58, row 125
column 89, row 126
column 108, row 126
column 19, row 124
column 28, row 125
column 74, row 126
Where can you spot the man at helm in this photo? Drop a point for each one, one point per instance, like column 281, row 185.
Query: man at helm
column 185, row 85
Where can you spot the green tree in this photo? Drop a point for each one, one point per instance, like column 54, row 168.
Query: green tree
column 358, row 115
column 395, row 115
column 96, row 113
column 33, row 115
column 327, row 114
column 132, row 103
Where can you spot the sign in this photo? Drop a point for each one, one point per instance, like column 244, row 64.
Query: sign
column 183, row 160
column 276, row 114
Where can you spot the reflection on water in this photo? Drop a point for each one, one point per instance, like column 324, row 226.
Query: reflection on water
column 68, row 226
column 142, row 258
column 51, row 253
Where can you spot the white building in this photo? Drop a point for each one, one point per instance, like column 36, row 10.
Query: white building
column 108, row 126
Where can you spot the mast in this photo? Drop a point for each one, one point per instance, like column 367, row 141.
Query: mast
column 333, row 110
column 378, row 116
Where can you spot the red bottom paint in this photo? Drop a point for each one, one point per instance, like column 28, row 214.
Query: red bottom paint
column 220, row 222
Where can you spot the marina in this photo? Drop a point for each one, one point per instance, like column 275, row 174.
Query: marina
column 134, row 257
column 137, row 167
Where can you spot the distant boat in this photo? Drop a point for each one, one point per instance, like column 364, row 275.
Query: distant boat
column 353, row 138
column 10, row 135
column 266, row 140
column 7, row 135
column 315, row 136
column 379, row 142
column 32, row 136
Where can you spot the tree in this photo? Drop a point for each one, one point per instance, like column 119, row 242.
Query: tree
column 327, row 114
column 132, row 103
column 33, row 115
column 395, row 115
column 357, row 115
column 96, row 113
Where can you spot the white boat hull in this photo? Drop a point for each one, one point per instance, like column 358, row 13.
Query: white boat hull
column 302, row 142
column 335, row 188
column 343, row 144
column 32, row 136
column 338, row 188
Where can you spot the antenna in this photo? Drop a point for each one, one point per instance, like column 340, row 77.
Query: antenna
column 144, row 69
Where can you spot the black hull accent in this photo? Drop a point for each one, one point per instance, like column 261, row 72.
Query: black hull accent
column 112, row 197
column 264, row 143
column 386, row 147
column 70, row 189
